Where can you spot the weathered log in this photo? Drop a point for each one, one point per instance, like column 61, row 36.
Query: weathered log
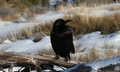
column 30, row 62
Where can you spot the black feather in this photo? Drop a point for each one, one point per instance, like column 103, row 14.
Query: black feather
column 62, row 39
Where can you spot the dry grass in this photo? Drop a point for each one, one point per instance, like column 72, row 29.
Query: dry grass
column 39, row 31
column 27, row 31
column 91, row 55
column 72, row 9
column 37, row 10
column 7, row 14
column 94, row 54
column 13, row 9
column 47, row 52
column 84, row 7
column 13, row 37
column 110, row 53
column 81, row 24
column 86, row 24
column 8, row 18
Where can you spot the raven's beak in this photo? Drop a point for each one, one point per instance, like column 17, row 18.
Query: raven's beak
column 68, row 21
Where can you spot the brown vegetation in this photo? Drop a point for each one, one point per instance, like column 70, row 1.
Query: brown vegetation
column 81, row 24
column 86, row 24
column 9, row 9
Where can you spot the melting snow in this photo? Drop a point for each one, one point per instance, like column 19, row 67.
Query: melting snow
column 87, row 41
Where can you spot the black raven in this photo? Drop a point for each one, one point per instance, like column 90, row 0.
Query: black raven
column 61, row 39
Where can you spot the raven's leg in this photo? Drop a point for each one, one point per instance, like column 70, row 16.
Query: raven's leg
column 56, row 57
column 67, row 58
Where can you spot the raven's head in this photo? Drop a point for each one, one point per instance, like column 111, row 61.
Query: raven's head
column 60, row 23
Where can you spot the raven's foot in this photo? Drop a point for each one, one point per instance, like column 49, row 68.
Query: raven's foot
column 56, row 58
column 66, row 59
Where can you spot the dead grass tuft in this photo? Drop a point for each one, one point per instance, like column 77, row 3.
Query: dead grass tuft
column 82, row 24
column 27, row 31
column 94, row 55
column 91, row 55
column 37, row 32
column 13, row 36
column 110, row 53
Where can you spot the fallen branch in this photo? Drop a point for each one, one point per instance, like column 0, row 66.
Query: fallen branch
column 39, row 63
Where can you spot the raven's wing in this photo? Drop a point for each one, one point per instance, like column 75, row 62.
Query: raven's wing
column 64, row 41
column 69, row 41
column 54, row 42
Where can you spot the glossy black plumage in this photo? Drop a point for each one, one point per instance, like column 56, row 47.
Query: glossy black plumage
column 61, row 39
